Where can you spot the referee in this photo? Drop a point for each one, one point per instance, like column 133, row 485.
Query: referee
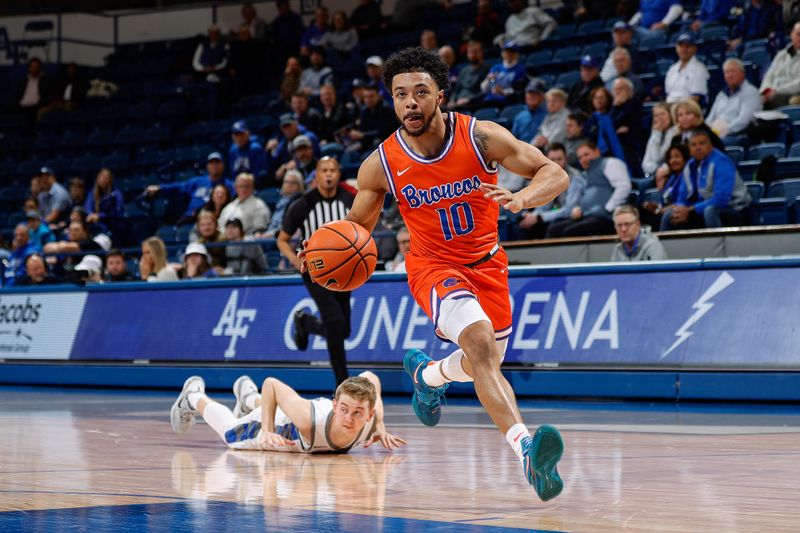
column 325, row 203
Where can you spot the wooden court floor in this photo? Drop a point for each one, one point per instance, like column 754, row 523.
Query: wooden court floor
column 79, row 460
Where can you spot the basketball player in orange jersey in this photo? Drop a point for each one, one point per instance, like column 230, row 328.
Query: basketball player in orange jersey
column 442, row 170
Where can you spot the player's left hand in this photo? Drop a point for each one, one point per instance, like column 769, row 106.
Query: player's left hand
column 387, row 440
column 502, row 196
column 301, row 256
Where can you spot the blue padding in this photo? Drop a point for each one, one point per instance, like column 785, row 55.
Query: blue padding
column 758, row 386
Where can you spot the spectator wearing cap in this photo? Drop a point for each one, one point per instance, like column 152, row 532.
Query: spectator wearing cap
column 622, row 37
column 579, row 94
column 303, row 159
column 197, row 262
column 211, row 56
column 37, row 272
column 341, row 37
column 245, row 154
column 505, row 79
column 655, row 16
column 526, row 26
column 207, row 232
column 21, row 248
column 712, row 11
column 317, row 74
column 687, row 77
column 89, row 269
column 737, row 102
column 333, row 114
column 256, row 25
column 248, row 208
column 782, row 80
column 467, row 89
column 279, row 151
column 623, row 67
column 196, row 191
column 374, row 66
column 526, row 122
column 375, row 122
column 54, row 200
column 242, row 259
column 105, row 205
column 367, row 18
column 307, row 117
column 554, row 126
column 315, row 31
column 117, row 267
column 153, row 263
column 292, row 188
column 40, row 234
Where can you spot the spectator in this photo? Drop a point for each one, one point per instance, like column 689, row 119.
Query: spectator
column 303, row 159
column 197, row 262
column 105, row 205
column 782, row 80
column 250, row 19
column 30, row 204
column 487, row 24
column 575, row 137
column 712, row 11
column 534, row 222
column 250, row 210
column 710, row 189
column 153, row 263
column 736, row 104
column 334, row 115
column 667, row 183
column 36, row 92
column 428, row 41
column 36, row 188
column 279, row 151
column 448, row 55
column 554, row 127
column 655, row 16
column 286, row 31
column 626, row 114
column 505, row 79
column 40, row 234
column 367, row 18
column 117, row 267
column 242, row 259
column 527, row 122
column 71, row 89
column 246, row 64
column 688, row 116
column 80, row 241
column 54, row 200
column 467, row 88
column 660, row 138
column 600, row 127
column 37, row 272
column 195, row 191
column 761, row 19
column 208, row 233
column 89, row 270
column 315, row 31
column 687, row 77
column 21, row 248
column 636, row 243
column 526, row 26
column 398, row 264
column 211, row 56
column 607, row 186
column 375, row 122
column 245, row 154
column 305, row 116
column 317, row 74
column 341, row 38
column 77, row 192
column 622, row 37
column 374, row 68
column 590, row 79
column 290, row 83
column 791, row 14
column 621, row 58
column 220, row 197
column 292, row 188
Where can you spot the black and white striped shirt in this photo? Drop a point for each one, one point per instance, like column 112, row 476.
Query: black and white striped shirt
column 311, row 211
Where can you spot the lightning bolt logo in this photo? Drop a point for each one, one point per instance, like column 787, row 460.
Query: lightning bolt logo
column 701, row 307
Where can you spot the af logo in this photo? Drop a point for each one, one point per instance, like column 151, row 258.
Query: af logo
column 234, row 323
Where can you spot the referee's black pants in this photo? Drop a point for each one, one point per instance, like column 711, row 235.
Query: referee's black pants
column 333, row 324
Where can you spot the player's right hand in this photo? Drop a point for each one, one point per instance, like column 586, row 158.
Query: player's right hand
column 273, row 439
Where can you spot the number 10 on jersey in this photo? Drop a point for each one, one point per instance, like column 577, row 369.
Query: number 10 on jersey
column 457, row 220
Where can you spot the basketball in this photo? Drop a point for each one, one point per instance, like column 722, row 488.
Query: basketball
column 341, row 256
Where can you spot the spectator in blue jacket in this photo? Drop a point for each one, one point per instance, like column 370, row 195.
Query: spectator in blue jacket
column 506, row 78
column 21, row 248
column 105, row 205
column 245, row 154
column 40, row 234
column 655, row 16
column 280, row 150
column 197, row 191
column 527, row 121
column 712, row 11
column 711, row 187
column 761, row 19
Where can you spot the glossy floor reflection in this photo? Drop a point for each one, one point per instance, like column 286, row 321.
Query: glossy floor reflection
column 108, row 461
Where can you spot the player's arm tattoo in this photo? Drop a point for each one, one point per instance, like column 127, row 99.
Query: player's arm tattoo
column 482, row 140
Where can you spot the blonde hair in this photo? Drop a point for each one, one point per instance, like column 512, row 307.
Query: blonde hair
column 359, row 388
column 159, row 252
column 558, row 93
column 689, row 105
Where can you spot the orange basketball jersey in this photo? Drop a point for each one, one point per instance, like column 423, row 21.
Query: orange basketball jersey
column 444, row 210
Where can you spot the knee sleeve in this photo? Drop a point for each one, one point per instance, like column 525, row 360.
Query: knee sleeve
column 455, row 315
column 501, row 349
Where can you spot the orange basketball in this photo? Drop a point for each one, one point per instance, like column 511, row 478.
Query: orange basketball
column 341, row 255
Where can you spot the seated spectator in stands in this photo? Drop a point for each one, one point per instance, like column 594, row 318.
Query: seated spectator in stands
column 21, row 248
column 36, row 272
column 579, row 93
column 286, row 30
column 71, row 89
column 153, row 263
column 88, row 270
column 448, row 55
column 712, row 11
column 211, row 56
column 80, row 240
column 688, row 116
column 315, row 31
column 526, row 122
column 467, row 88
column 317, row 74
column 117, row 267
column 105, row 205
column 303, row 160
column 220, row 197
column 660, row 138
column 428, row 41
column 398, row 263
column 242, row 259
column 668, row 183
column 487, row 24
column 761, row 19
column 367, row 19
column 30, row 204
column 608, row 185
column 736, row 104
column 341, row 37
column 307, row 117
column 195, row 191
column 292, row 188
column 506, row 79
column 206, row 231
column 246, row 154
column 197, row 262
column 290, row 82
column 710, row 189
column 77, row 192
column 333, row 114
column 626, row 114
column 249, row 209
column 599, row 127
column 526, row 26
column 574, row 137
column 782, row 80
column 246, row 63
column 279, row 151
column 622, row 65
column 375, row 122
column 534, row 222
column 54, row 200
column 374, row 66
column 655, row 16
column 36, row 188
column 35, row 92
column 40, row 234
column 687, row 77
column 554, row 127
column 636, row 243
column 622, row 36
column 5, row 253
column 250, row 19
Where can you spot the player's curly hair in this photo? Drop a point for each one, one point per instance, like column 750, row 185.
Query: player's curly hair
column 416, row 59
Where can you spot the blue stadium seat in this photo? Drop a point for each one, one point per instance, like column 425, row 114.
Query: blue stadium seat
column 770, row 211
column 756, row 190
column 786, row 189
column 714, row 33
column 487, row 113
column 760, row 151
column 598, row 50
column 83, row 166
column 563, row 31
column 567, row 79
column 270, row 195
column 653, row 41
column 735, row 152
column 117, row 163
column 159, row 134
column 534, row 59
column 511, row 111
column 168, row 234
column 567, row 53
column 747, row 169
column 183, row 232
column 662, row 66
column 30, row 168
column 759, row 57
column 651, row 195
column 334, row 150
column 792, row 110
column 591, row 26
column 787, row 167
column 172, row 110
column 794, row 150
column 756, row 44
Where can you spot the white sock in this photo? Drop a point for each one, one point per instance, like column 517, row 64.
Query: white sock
column 193, row 398
column 250, row 401
column 446, row 370
column 219, row 418
column 514, row 436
